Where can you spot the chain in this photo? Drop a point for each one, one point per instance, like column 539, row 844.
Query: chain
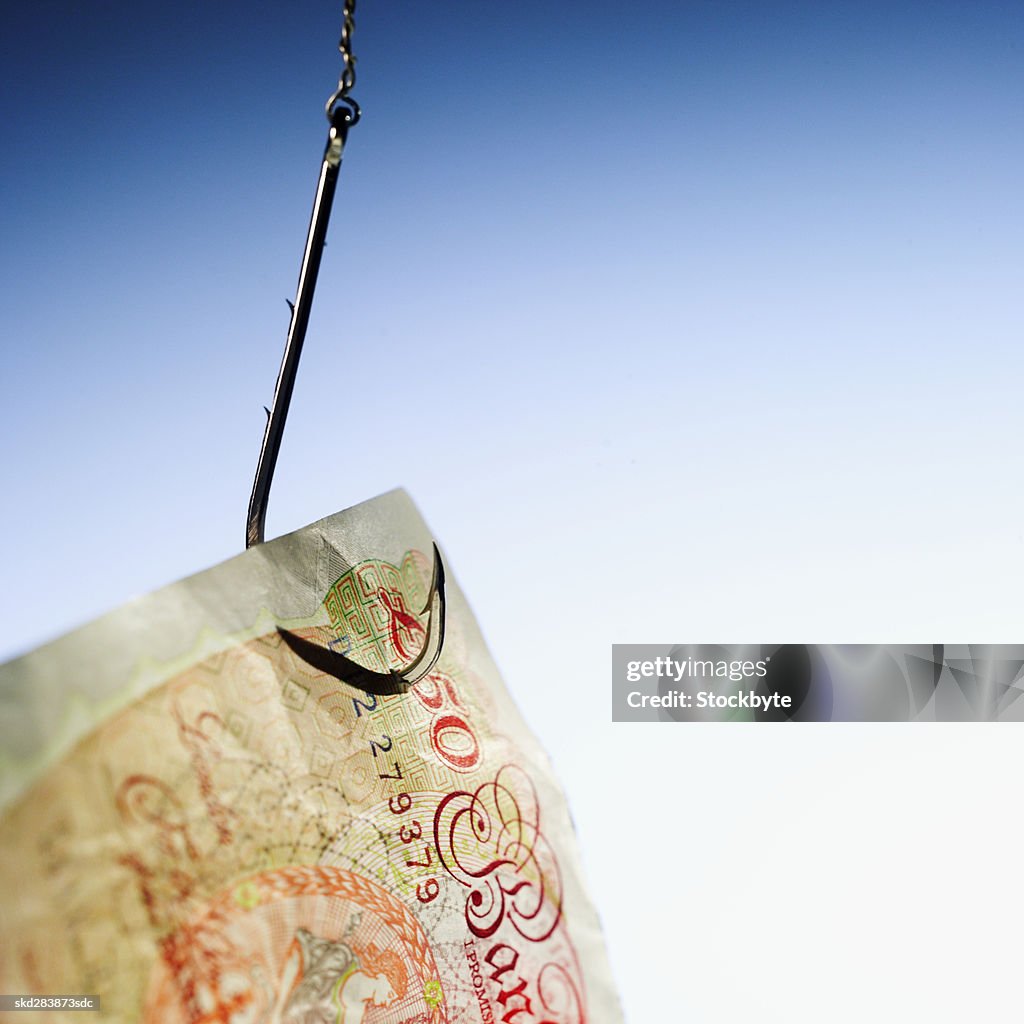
column 340, row 96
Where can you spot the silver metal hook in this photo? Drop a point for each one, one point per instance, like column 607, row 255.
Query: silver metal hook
column 310, row 268
column 342, row 113
column 383, row 683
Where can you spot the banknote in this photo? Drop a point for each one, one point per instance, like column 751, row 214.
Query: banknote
column 205, row 816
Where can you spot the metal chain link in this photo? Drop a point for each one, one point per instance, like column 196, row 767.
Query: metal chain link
column 347, row 80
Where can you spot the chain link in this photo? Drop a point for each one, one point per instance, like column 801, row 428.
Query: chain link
column 347, row 80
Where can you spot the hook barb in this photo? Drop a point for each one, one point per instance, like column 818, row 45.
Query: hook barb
column 383, row 684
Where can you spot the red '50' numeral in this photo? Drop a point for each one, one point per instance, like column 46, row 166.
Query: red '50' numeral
column 451, row 736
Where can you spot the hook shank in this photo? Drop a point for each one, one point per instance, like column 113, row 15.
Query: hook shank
column 308, row 272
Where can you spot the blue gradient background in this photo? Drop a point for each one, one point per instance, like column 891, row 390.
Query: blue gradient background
column 682, row 322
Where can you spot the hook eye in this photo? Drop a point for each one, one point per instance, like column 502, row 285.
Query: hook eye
column 342, row 111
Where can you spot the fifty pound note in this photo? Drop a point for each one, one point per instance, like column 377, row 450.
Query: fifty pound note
column 203, row 822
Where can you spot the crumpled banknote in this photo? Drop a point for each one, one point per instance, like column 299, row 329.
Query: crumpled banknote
column 201, row 821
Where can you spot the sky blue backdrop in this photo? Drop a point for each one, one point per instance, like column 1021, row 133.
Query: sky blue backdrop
column 682, row 322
